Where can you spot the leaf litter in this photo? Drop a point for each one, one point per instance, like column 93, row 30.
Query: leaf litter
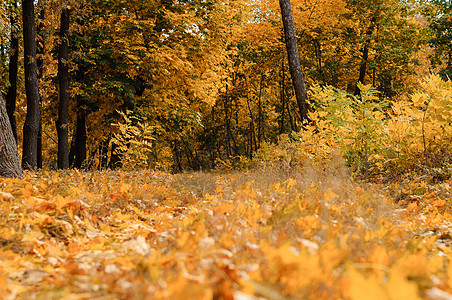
column 244, row 235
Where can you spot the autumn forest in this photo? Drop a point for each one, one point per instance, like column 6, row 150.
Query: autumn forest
column 235, row 149
column 188, row 85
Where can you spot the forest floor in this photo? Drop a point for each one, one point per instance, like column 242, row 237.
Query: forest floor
column 247, row 235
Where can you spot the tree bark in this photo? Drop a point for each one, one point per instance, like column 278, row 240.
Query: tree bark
column 318, row 54
column 32, row 120
column 103, row 153
column 63, row 81
column 283, row 98
column 13, row 67
column 362, row 69
column 259, row 119
column 9, row 157
column 251, row 129
column 2, row 50
column 80, row 141
column 40, row 64
column 294, row 59
column 365, row 56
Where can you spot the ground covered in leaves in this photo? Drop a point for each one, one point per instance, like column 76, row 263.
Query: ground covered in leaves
column 263, row 234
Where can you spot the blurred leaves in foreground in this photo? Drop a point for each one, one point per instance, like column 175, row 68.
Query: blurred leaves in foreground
column 305, row 234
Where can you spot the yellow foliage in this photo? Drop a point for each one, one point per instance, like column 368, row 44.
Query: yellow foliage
column 360, row 287
column 372, row 135
column 399, row 287
column 421, row 124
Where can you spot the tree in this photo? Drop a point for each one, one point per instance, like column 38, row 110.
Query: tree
column 13, row 66
column 9, row 157
column 40, row 53
column 63, row 80
column 33, row 117
column 365, row 57
column 294, row 59
column 441, row 23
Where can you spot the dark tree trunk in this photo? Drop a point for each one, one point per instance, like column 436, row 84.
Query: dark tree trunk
column 103, row 154
column 373, row 76
column 40, row 36
column 362, row 69
column 72, row 149
column 227, row 118
column 39, row 143
column 2, row 51
column 32, row 120
column 9, row 157
column 365, row 56
column 115, row 158
column 251, row 130
column 259, row 119
column 80, row 141
column 176, row 150
column 292, row 125
column 283, row 98
column 294, row 59
column 40, row 64
column 77, row 155
column 13, row 66
column 318, row 54
column 63, row 80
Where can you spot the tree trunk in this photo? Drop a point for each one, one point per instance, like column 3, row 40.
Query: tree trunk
column 259, row 119
column 227, row 118
column 80, row 141
column 40, row 64
column 2, row 51
column 292, row 125
column 13, row 66
column 32, row 120
column 72, row 149
column 63, row 80
column 176, row 150
column 103, row 154
column 318, row 54
column 362, row 69
column 9, row 157
column 365, row 56
column 294, row 60
column 283, row 97
column 251, row 129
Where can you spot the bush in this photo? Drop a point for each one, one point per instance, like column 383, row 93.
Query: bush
column 372, row 135
column 134, row 141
